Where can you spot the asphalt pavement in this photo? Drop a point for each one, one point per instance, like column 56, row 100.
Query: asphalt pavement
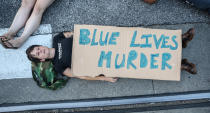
column 167, row 14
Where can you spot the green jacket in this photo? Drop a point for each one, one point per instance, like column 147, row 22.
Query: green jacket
column 46, row 77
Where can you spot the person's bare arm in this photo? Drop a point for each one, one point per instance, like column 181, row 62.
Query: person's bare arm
column 68, row 73
column 68, row 34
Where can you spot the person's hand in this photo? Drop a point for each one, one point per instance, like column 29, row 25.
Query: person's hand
column 68, row 34
column 110, row 79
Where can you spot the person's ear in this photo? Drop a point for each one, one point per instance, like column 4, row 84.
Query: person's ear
column 42, row 60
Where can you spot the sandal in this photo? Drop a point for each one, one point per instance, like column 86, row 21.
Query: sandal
column 192, row 70
column 189, row 67
column 187, row 37
column 10, row 45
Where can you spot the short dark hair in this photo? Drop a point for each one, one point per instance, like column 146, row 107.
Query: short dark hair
column 30, row 57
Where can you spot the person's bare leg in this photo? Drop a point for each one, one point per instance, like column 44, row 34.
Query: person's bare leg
column 33, row 22
column 20, row 18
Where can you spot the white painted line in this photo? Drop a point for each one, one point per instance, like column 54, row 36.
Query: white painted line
column 14, row 63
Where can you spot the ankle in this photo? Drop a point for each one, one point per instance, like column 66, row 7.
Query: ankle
column 9, row 35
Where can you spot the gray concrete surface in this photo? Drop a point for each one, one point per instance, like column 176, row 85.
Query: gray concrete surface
column 26, row 90
column 196, row 52
column 63, row 14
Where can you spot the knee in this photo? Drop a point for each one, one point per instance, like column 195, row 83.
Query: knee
column 38, row 9
column 27, row 4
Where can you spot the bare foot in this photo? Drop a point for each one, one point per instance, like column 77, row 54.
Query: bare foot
column 6, row 37
column 13, row 43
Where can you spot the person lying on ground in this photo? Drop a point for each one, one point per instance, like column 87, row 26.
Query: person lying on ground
column 61, row 54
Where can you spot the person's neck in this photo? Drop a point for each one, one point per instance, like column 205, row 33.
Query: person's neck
column 51, row 53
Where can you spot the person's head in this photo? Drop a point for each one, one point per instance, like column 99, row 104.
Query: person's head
column 38, row 53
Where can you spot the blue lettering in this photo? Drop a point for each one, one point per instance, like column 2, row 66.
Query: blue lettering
column 153, row 66
column 164, row 43
column 133, row 40
column 84, row 39
column 131, row 56
column 93, row 39
column 157, row 42
column 147, row 41
column 122, row 64
column 112, row 40
column 175, row 42
column 143, row 61
column 105, row 56
column 102, row 43
column 165, row 58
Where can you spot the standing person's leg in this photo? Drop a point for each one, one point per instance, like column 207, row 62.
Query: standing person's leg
column 20, row 19
column 32, row 24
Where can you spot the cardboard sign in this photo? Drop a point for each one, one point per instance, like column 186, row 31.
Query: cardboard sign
column 127, row 52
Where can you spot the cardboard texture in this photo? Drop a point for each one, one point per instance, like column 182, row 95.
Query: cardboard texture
column 127, row 52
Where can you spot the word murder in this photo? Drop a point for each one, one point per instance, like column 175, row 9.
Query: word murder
column 132, row 56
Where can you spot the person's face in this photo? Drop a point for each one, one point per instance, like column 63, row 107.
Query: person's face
column 40, row 52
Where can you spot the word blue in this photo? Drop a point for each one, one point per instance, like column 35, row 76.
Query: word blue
column 85, row 39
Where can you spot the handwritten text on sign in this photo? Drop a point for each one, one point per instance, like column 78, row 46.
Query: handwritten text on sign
column 133, row 49
column 111, row 38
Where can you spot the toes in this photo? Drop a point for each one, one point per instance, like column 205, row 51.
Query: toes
column 7, row 44
column 3, row 38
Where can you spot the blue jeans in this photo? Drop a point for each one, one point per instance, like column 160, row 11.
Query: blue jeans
column 201, row 4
